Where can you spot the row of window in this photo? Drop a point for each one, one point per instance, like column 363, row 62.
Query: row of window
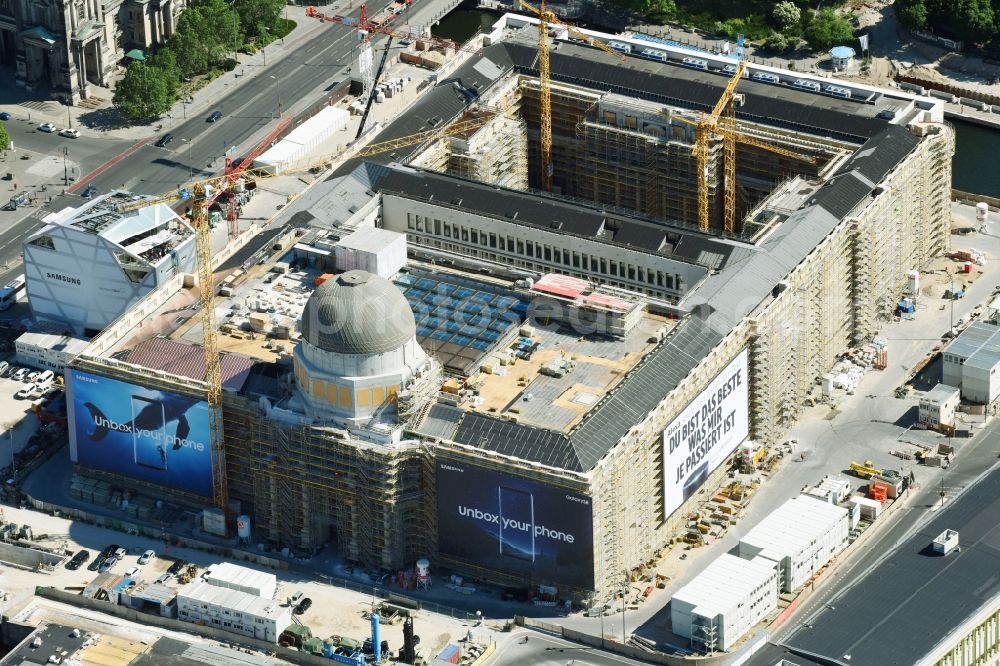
column 183, row 612
column 548, row 253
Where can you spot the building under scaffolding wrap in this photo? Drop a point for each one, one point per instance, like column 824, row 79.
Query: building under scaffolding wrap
column 477, row 432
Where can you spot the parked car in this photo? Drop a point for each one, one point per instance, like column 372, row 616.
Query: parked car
column 70, row 133
column 216, row 115
column 295, row 598
column 26, row 391
column 20, row 374
column 108, row 564
column 120, row 553
column 132, row 572
column 4, row 367
column 164, row 579
column 164, row 140
column 147, row 556
column 4, row 115
column 77, row 560
column 33, row 375
column 48, row 128
column 109, row 550
column 97, row 563
column 176, row 567
column 303, row 606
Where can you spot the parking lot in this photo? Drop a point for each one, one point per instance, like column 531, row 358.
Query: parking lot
column 334, row 610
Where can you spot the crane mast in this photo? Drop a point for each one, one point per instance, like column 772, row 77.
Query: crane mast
column 544, row 100
column 213, row 371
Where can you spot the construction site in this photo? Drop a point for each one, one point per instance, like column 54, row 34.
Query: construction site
column 625, row 264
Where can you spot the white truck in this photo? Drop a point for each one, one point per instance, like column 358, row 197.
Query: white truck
column 946, row 542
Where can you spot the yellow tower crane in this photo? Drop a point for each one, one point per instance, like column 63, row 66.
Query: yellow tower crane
column 730, row 137
column 202, row 193
column 706, row 126
column 545, row 19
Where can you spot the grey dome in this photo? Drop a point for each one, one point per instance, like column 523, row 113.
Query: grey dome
column 357, row 313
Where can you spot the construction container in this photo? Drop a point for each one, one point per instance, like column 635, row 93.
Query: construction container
column 878, row 491
column 450, row 654
column 259, row 322
column 377, row 251
column 870, row 509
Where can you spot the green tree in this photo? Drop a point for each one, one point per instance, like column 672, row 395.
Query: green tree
column 258, row 14
column 732, row 27
column 207, row 32
column 828, row 29
column 786, row 14
column 912, row 14
column 165, row 61
column 658, row 11
column 143, row 94
column 972, row 20
column 4, row 137
column 776, row 43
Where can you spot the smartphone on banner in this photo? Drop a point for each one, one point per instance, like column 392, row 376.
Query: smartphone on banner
column 149, row 446
column 517, row 523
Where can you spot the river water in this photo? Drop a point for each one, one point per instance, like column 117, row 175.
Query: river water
column 464, row 22
column 976, row 167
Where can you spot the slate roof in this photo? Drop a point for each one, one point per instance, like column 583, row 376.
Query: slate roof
column 637, row 77
column 913, row 600
column 553, row 214
column 745, row 276
column 746, row 281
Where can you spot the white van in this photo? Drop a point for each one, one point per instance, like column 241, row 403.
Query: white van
column 45, row 378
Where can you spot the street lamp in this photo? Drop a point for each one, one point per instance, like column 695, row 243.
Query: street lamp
column 65, row 152
column 263, row 49
column 236, row 34
column 271, row 76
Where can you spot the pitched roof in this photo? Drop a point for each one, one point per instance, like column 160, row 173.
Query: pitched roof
column 188, row 360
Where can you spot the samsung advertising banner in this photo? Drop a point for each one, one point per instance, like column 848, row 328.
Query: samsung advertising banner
column 514, row 525
column 143, row 433
column 705, row 434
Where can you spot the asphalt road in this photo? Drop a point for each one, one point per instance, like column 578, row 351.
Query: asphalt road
column 544, row 650
column 199, row 147
column 980, row 456
column 83, row 155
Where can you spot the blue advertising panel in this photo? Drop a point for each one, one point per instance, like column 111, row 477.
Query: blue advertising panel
column 143, row 433
column 514, row 525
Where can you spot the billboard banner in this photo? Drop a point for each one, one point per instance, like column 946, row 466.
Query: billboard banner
column 705, row 433
column 147, row 434
column 514, row 525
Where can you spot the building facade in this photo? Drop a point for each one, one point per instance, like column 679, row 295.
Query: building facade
column 232, row 610
column 67, row 45
column 88, row 266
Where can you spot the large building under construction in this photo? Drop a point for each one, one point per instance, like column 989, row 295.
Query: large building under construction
column 554, row 379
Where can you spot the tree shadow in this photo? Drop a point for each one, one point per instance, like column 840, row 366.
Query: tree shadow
column 104, row 119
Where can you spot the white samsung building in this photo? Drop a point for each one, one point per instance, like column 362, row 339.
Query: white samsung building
column 88, row 265
column 725, row 601
column 801, row 536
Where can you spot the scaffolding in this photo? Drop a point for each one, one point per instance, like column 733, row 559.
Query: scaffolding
column 309, row 485
column 496, row 154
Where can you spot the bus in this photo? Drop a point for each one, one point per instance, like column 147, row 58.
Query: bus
column 10, row 293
